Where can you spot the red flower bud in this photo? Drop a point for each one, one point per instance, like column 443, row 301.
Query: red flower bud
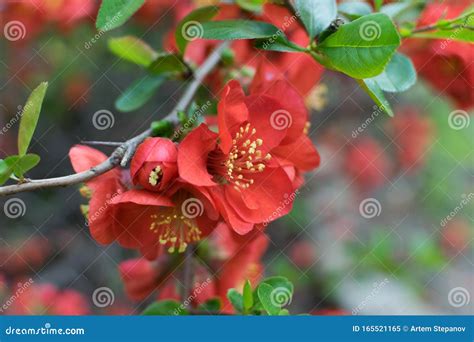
column 154, row 164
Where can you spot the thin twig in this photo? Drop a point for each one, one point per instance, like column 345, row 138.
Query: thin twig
column 123, row 153
column 102, row 143
column 188, row 273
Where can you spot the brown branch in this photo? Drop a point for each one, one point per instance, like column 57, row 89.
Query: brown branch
column 123, row 153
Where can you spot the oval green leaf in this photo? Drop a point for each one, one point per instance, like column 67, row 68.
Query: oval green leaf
column 30, row 116
column 114, row 13
column 316, row 15
column 237, row 29
column 138, row 93
column 362, row 48
column 133, row 50
column 398, row 76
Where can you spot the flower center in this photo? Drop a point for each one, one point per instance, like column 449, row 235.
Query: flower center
column 175, row 230
column 155, row 176
column 244, row 159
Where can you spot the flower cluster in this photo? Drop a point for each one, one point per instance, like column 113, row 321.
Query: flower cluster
column 236, row 173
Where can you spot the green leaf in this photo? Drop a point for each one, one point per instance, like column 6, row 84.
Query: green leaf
column 138, row 93
column 280, row 282
column 5, row 171
column 247, row 296
column 162, row 128
column 165, row 308
column 316, row 15
column 266, row 297
column 190, row 28
column 114, row 13
column 212, row 305
column 237, row 29
column 362, row 48
column 354, row 9
column 378, row 4
column 22, row 164
column 398, row 76
column 279, row 44
column 458, row 34
column 251, row 5
column 376, row 94
column 167, row 64
column 133, row 50
column 29, row 117
column 236, row 300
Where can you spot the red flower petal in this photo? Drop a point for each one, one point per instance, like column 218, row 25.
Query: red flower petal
column 193, row 154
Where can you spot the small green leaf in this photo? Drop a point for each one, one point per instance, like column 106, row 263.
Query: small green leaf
column 398, row 76
column 237, row 29
column 29, row 117
column 138, row 93
column 167, row 64
column 354, row 9
column 378, row 4
column 284, row 312
column 5, row 171
column 236, row 300
column 362, row 48
column 165, row 308
column 247, row 296
column 212, row 306
column 376, row 94
column 114, row 13
column 316, row 15
column 133, row 50
column 190, row 28
column 265, row 295
column 22, row 164
column 162, row 128
column 251, row 5
column 279, row 44
column 458, row 34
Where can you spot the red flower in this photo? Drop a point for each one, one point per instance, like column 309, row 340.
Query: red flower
column 154, row 164
column 241, row 261
column 300, row 69
column 140, row 277
column 103, row 188
column 149, row 221
column 46, row 299
column 252, row 182
column 366, row 164
column 446, row 64
column 413, row 135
